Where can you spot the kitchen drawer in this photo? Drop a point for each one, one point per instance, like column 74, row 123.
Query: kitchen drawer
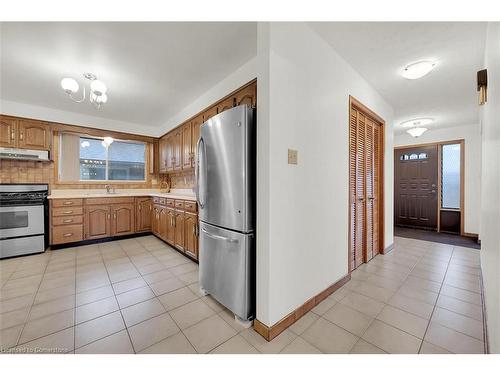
column 190, row 206
column 170, row 203
column 159, row 200
column 65, row 220
column 67, row 202
column 67, row 233
column 65, row 211
column 179, row 205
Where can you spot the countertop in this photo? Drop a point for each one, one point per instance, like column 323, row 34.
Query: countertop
column 88, row 193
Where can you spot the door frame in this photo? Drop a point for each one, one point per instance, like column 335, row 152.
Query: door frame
column 462, row 179
column 353, row 102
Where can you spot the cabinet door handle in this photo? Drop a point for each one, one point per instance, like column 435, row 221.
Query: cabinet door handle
column 109, row 216
column 67, row 212
column 67, row 234
column 13, row 136
column 114, row 216
column 21, row 136
column 68, row 221
column 67, row 203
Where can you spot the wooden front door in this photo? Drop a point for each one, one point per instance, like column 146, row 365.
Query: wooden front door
column 365, row 186
column 415, row 187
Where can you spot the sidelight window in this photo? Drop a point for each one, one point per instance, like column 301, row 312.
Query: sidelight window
column 450, row 176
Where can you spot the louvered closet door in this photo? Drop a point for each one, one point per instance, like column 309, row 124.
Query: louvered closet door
column 364, row 187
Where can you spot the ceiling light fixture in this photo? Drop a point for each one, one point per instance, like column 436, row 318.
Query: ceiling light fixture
column 417, row 122
column 97, row 90
column 106, row 142
column 418, row 70
column 416, row 132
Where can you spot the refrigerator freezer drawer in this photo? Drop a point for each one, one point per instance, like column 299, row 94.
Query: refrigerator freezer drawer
column 227, row 268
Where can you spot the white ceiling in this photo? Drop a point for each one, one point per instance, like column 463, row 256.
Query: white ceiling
column 379, row 51
column 152, row 70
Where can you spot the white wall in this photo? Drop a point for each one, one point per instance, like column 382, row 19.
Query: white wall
column 304, row 247
column 490, row 188
column 471, row 134
column 72, row 118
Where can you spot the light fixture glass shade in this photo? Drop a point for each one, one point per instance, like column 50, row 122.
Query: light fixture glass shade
column 418, row 70
column 102, row 99
column 69, row 85
column 98, row 87
column 417, row 122
column 416, row 132
column 107, row 141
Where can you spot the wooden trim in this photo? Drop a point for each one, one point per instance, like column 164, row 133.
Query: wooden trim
column 462, row 187
column 485, row 320
column 439, row 187
column 471, row 235
column 270, row 333
column 388, row 249
column 353, row 102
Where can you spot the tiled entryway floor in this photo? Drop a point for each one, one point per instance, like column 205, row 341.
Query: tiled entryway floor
column 141, row 296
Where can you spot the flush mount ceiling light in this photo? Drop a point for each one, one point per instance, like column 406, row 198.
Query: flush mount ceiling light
column 418, row 70
column 97, row 90
column 417, row 122
column 416, row 132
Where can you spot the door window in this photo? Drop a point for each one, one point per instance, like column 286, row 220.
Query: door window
column 450, row 176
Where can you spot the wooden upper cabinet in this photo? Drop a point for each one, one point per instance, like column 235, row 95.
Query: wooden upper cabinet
column 169, row 163
column 123, row 222
column 163, row 154
column 177, row 149
column 225, row 104
column 8, row 132
column 247, row 95
column 143, row 214
column 187, row 145
column 97, row 222
column 33, row 135
column 211, row 112
column 191, row 234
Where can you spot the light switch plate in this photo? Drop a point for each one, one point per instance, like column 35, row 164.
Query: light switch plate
column 292, row 156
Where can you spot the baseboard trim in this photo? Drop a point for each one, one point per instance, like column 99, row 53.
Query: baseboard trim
column 270, row 333
column 472, row 235
column 388, row 249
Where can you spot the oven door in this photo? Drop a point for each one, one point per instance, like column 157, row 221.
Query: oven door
column 19, row 221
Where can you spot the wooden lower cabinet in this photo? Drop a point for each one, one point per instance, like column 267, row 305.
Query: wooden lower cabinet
column 143, row 214
column 122, row 219
column 97, row 222
column 179, row 229
column 170, row 227
column 190, row 224
column 163, row 220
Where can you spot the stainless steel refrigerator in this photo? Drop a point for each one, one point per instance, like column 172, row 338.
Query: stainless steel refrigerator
column 225, row 190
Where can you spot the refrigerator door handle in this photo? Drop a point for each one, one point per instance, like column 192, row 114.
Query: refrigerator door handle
column 217, row 237
column 197, row 172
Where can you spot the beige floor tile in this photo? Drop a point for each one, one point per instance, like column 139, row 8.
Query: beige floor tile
column 52, row 307
column 9, row 337
column 47, row 325
column 56, row 343
column 55, row 293
column 329, row 338
column 228, row 317
column 363, row 304
column 177, row 298
column 209, row 333
column 189, row 278
column 348, row 318
column 300, row 346
column 419, row 294
column 235, row 345
column 363, row 347
column 152, row 331
column 191, row 313
column 303, row 323
column 403, row 320
column 428, row 348
column 390, row 339
column 213, row 304
column 124, row 275
column 57, row 282
column 427, row 275
column 468, row 309
column 403, row 302
column 471, row 286
column 96, row 309
column 452, row 340
column 117, row 343
column 134, row 296
column 158, row 276
column 461, row 294
column 274, row 346
column 6, row 294
column 184, row 268
column 417, row 282
column 94, row 295
column 339, row 294
column 324, row 306
column 127, row 285
column 98, row 328
column 142, row 311
column 16, row 303
column 373, row 291
column 458, row 322
column 150, row 268
column 176, row 344
column 166, row 286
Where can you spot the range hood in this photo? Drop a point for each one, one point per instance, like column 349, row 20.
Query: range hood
column 23, row 154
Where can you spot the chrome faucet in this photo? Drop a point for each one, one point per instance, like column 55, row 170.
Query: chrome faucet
column 108, row 189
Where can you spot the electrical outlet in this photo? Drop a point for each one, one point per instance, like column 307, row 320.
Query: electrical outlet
column 292, row 156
